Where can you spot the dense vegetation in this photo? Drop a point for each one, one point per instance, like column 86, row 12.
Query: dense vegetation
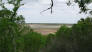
column 16, row 36
column 78, row 38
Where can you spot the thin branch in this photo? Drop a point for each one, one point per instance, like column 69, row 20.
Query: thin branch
column 50, row 8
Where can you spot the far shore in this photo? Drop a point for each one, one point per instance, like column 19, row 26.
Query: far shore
column 46, row 28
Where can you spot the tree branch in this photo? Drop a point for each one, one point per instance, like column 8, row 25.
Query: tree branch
column 50, row 8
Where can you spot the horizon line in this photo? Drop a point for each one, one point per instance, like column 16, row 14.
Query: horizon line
column 50, row 23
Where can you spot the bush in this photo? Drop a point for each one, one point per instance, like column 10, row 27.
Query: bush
column 48, row 42
column 82, row 35
column 31, row 42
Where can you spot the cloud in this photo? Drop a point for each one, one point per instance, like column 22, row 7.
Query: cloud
column 29, row 1
column 61, row 0
column 61, row 12
column 45, row 1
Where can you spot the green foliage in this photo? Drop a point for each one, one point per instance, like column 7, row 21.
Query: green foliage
column 48, row 42
column 83, row 5
column 10, row 27
column 62, row 42
column 33, row 42
column 8, row 31
column 78, row 38
column 15, row 35
column 82, row 33
column 49, row 38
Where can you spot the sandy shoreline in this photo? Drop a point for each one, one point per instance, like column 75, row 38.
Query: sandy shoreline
column 46, row 28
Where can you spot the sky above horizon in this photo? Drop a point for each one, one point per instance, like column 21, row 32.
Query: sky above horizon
column 61, row 12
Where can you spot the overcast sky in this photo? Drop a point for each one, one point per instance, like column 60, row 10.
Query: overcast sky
column 61, row 12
